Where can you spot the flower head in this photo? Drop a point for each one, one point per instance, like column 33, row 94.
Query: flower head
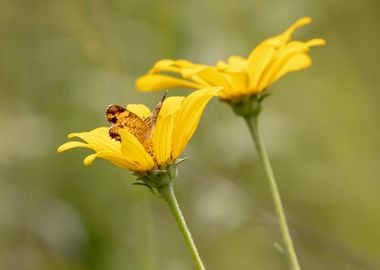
column 142, row 150
column 240, row 77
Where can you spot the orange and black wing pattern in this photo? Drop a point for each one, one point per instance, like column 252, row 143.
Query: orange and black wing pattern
column 120, row 117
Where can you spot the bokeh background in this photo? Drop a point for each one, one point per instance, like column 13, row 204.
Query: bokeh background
column 62, row 62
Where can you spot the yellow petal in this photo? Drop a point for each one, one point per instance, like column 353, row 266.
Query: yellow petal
column 233, row 83
column 89, row 159
column 237, row 63
column 185, row 64
column 239, row 86
column 282, row 39
column 71, row 145
column 162, row 138
column 187, row 118
column 200, row 82
column 161, row 65
column 279, row 59
column 215, row 78
column 134, row 152
column 291, row 48
column 139, row 109
column 300, row 22
column 258, row 60
column 162, row 134
column 290, row 57
column 115, row 159
column 168, row 65
column 153, row 82
column 190, row 73
column 296, row 62
column 171, row 105
column 99, row 140
column 238, row 80
column 221, row 65
column 316, row 42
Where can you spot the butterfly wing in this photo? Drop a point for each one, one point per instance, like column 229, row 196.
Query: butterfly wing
column 120, row 117
column 152, row 118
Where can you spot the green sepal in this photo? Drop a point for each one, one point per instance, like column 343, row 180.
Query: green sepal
column 264, row 96
column 143, row 184
column 172, row 171
column 158, row 172
column 180, row 160
column 158, row 177
column 248, row 106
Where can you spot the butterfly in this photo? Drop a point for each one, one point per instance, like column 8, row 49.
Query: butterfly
column 141, row 128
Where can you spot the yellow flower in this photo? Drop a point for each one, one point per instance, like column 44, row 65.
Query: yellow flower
column 175, row 125
column 240, row 77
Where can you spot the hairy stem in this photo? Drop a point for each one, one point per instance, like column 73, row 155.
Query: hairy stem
column 168, row 195
column 252, row 123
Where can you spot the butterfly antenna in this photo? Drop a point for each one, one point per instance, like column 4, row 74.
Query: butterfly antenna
column 164, row 96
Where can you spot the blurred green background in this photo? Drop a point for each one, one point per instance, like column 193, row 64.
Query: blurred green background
column 62, row 62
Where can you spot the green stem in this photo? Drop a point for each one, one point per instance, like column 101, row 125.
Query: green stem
column 252, row 123
column 168, row 195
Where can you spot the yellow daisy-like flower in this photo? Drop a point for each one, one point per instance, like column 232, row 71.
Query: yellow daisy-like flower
column 240, row 77
column 176, row 123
